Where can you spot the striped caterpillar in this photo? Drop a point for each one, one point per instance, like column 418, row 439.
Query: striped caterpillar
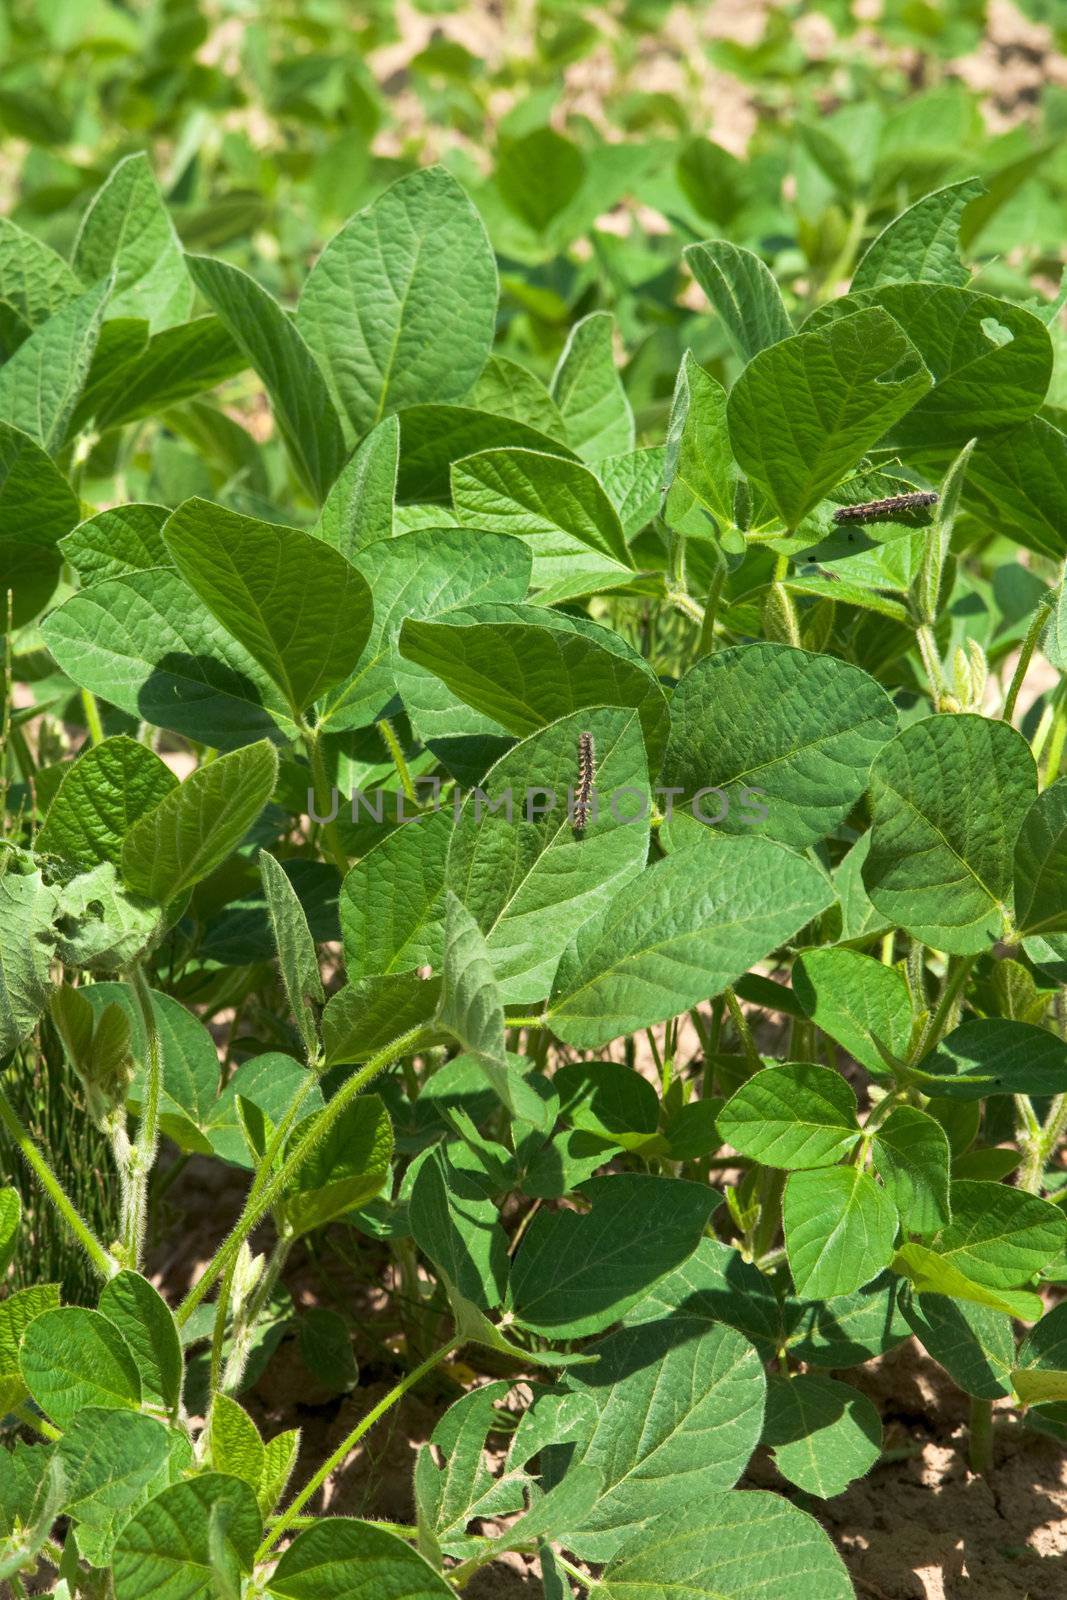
column 873, row 510
column 586, row 773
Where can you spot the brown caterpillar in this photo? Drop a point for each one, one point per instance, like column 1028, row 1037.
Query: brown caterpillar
column 586, row 774
column 873, row 510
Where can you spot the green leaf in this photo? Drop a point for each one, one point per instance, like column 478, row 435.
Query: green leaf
column 41, row 383
column 679, row 1406
column 400, row 308
column 392, row 902
column 433, row 437
column 456, row 1224
column 699, row 471
column 998, row 1236
column 341, row 1556
column 860, row 1002
column 470, row 1008
column 847, row 1329
column 538, row 174
column 326, row 1349
column 588, row 391
column 10, row 1218
column 1019, row 477
column 559, row 508
column 947, row 799
column 575, row 1273
column 33, row 278
column 807, row 410
column 511, row 390
column 115, row 542
column 194, row 828
column 236, row 1447
column 974, row 1343
column 992, row 361
column 1041, row 864
column 297, row 606
column 146, row 644
column 17, row 1310
column 72, row 1358
column 109, row 788
column 36, row 503
column 527, row 878
column 369, row 1013
column 193, row 1540
column 992, row 1055
column 743, row 292
column 279, row 1459
column 297, row 958
column 840, row 1228
column 101, row 925
column 822, row 1434
column 678, row 934
column 114, row 1461
column 934, row 1274
column 190, row 1062
column 911, row 1157
column 144, row 1319
column 1054, row 638
column 730, row 1546
column 1041, row 1367
column 922, row 244
column 359, row 507
column 27, row 905
column 422, row 574
column 525, row 676
column 798, row 731
column 345, row 1169
column 175, row 365
column 127, row 230
column 274, row 347
column 798, row 1115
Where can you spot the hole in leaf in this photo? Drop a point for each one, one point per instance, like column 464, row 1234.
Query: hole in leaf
column 996, row 332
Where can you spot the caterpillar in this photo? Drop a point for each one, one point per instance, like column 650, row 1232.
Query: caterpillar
column 586, row 773
column 873, row 510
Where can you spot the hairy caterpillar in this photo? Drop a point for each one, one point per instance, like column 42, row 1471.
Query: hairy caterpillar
column 586, row 773
column 872, row 510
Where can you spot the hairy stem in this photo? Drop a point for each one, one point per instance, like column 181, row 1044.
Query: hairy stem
column 323, row 791
column 258, row 1204
column 1026, row 654
column 143, row 1154
column 349, row 1442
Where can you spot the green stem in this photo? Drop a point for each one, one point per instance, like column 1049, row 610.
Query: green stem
column 388, row 733
column 92, row 717
column 257, row 1205
column 706, row 643
column 323, row 791
column 980, row 1443
column 349, row 1442
column 955, row 978
column 104, row 1263
column 772, row 1184
column 931, row 659
column 1026, row 654
column 748, row 1043
column 686, row 605
column 40, row 1425
column 1056, row 744
column 147, row 1142
column 572, row 1571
